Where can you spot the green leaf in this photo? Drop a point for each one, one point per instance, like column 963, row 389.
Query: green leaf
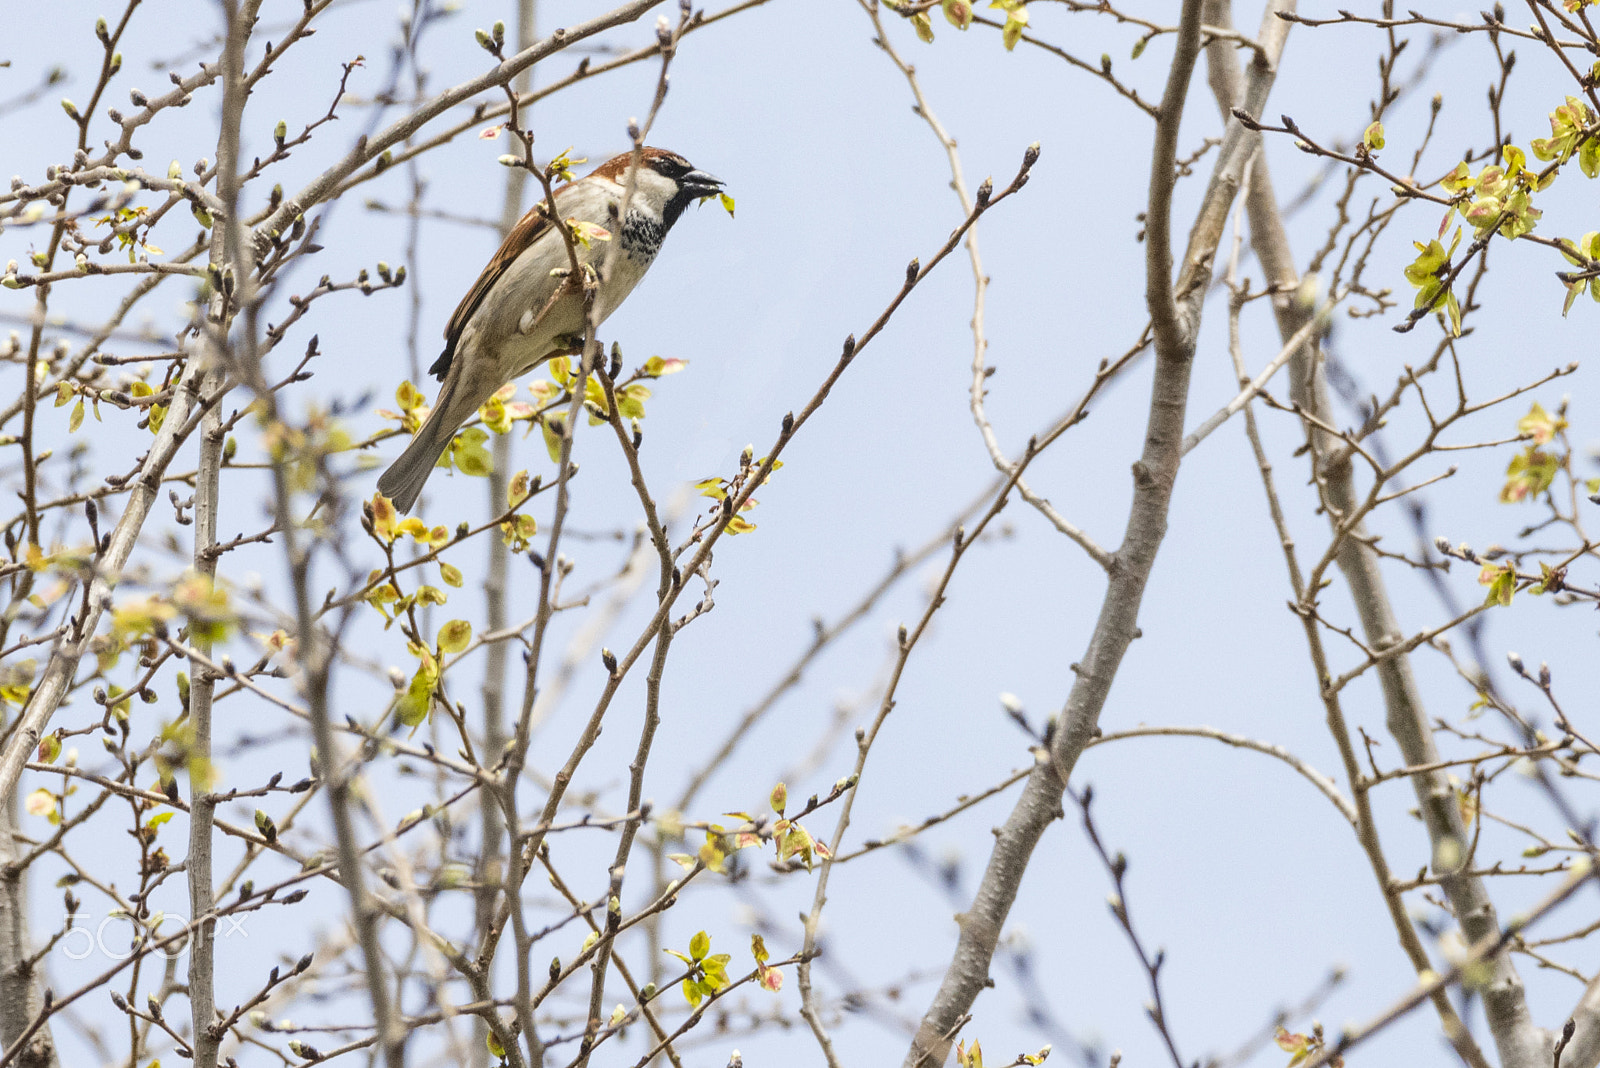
column 1502, row 588
column 413, row 708
column 957, row 13
column 474, row 460
column 1589, row 157
column 552, row 427
column 1016, row 22
column 455, row 636
column 656, row 366
column 469, row 455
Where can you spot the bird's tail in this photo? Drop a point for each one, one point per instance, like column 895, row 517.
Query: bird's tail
column 402, row 483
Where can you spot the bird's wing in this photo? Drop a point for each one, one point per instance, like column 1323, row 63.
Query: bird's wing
column 529, row 229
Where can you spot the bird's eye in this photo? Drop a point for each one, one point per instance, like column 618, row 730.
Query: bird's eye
column 672, row 167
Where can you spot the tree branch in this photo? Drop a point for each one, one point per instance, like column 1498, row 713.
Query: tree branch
column 1154, row 474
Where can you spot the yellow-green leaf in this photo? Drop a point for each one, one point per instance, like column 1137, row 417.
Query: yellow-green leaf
column 455, row 636
column 412, row 708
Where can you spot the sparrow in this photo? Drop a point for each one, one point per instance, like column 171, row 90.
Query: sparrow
column 524, row 307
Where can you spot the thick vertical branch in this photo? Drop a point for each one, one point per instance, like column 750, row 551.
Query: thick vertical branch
column 202, row 805
column 1175, row 315
column 1583, row 1050
column 207, row 492
column 20, row 997
column 1158, row 211
column 491, row 864
column 315, row 658
column 1521, row 1043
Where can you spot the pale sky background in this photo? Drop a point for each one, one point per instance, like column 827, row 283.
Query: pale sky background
column 1245, row 874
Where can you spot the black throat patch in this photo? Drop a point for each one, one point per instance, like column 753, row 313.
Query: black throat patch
column 642, row 235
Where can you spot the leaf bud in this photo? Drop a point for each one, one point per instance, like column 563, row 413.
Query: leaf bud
column 268, row 829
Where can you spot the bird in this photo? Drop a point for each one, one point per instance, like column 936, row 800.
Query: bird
column 521, row 311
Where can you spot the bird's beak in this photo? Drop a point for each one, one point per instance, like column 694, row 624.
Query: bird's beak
column 701, row 184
